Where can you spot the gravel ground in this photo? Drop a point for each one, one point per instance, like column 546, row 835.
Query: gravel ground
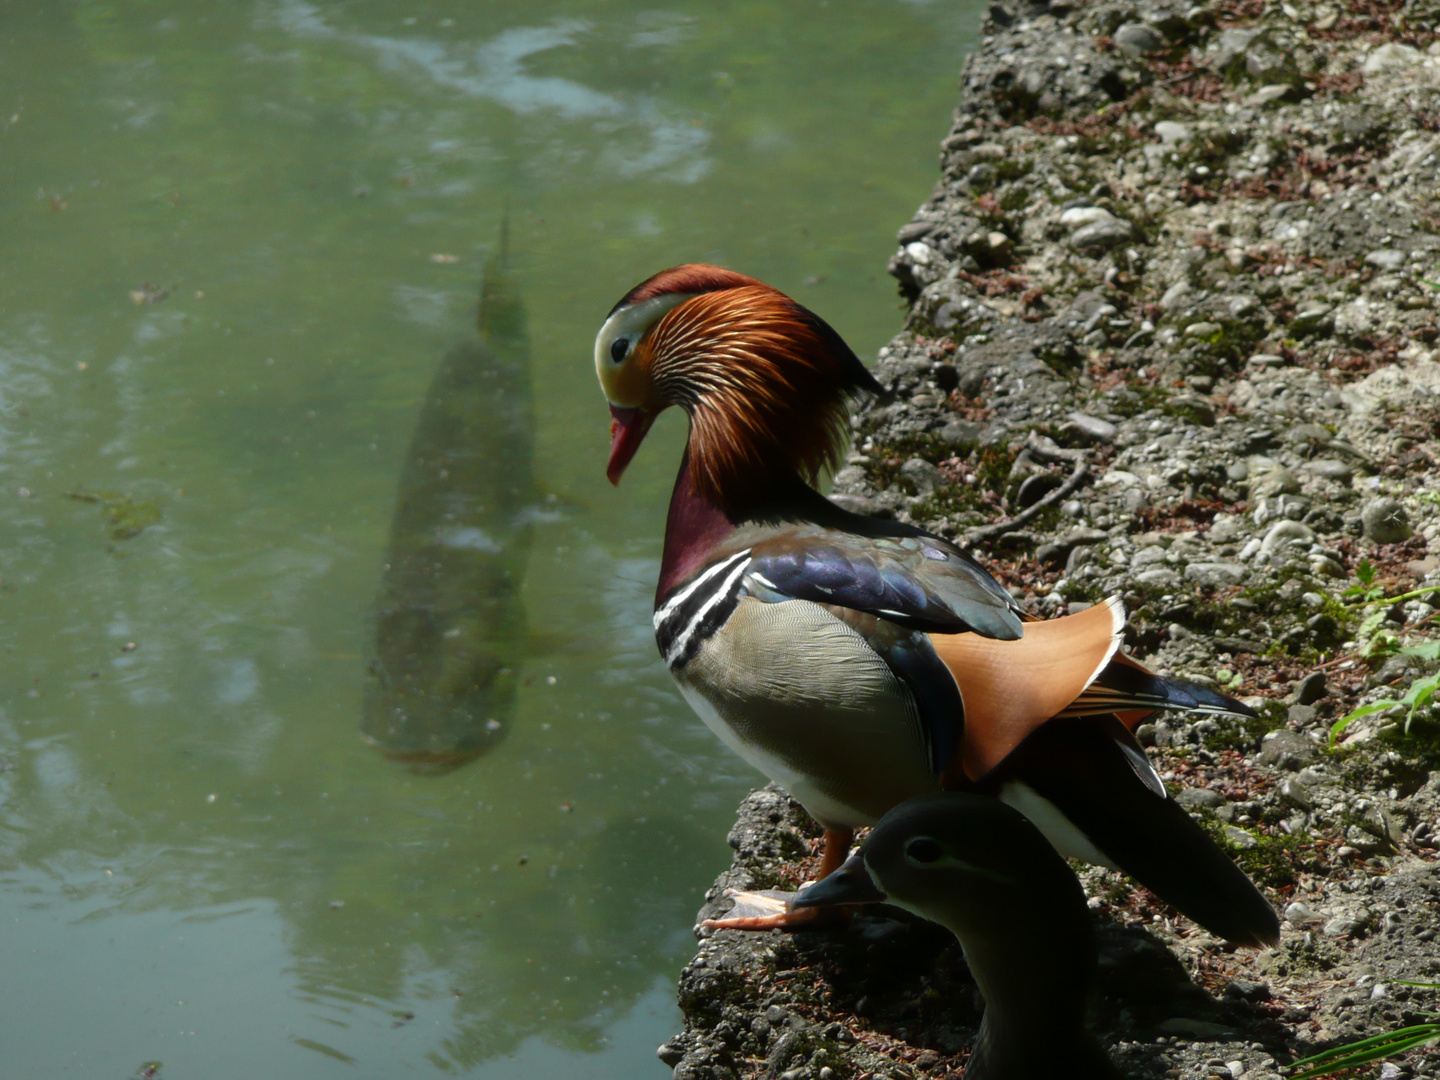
column 1174, row 334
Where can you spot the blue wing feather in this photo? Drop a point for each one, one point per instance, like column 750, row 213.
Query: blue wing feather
column 919, row 585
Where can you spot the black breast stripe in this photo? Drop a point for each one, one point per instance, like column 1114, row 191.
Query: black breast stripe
column 696, row 610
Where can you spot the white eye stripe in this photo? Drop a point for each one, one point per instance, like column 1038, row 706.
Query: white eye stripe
column 946, row 861
column 631, row 323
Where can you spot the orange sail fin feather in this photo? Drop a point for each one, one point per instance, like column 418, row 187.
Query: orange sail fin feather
column 1006, row 697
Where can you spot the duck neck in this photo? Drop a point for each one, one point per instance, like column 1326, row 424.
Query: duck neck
column 693, row 527
column 1034, row 1021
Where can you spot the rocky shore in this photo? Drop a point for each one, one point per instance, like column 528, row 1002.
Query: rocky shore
column 1174, row 335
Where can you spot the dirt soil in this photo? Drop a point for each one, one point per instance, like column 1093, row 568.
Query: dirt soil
column 1174, row 306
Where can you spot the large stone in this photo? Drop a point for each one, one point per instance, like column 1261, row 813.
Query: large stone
column 1079, row 216
column 1288, row 750
column 1283, row 534
column 1385, row 521
column 922, row 474
column 1199, row 798
column 1276, row 480
column 1344, row 926
column 1101, row 235
column 1215, row 574
column 1231, row 46
column 1172, row 132
column 1295, row 793
column 921, row 253
column 1313, row 319
column 1239, row 839
column 1148, row 556
column 1274, row 92
column 1246, row 990
column 1174, row 298
column 1137, row 39
column 1308, row 690
column 1158, row 578
column 1392, row 57
column 1387, row 259
column 914, row 231
column 1306, row 435
column 1330, row 469
column 958, row 432
column 1092, row 428
column 1227, row 527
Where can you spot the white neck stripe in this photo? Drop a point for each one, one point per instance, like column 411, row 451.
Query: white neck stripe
column 661, row 614
column 677, row 650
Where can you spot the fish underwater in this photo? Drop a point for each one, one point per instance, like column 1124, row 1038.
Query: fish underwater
column 449, row 623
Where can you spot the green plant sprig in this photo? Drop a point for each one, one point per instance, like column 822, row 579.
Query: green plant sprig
column 1415, row 698
column 1366, row 593
column 1364, row 1051
column 1367, row 1050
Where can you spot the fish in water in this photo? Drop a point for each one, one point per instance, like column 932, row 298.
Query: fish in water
column 449, row 623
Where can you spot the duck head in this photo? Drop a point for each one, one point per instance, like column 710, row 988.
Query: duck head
column 962, row 860
column 764, row 381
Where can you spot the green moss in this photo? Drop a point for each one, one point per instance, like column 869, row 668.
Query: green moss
column 1233, row 731
column 1234, row 340
column 1209, row 617
column 1273, row 860
column 1137, row 398
column 990, row 465
column 924, row 444
column 1092, row 590
column 1301, row 954
column 1013, row 168
column 1015, row 197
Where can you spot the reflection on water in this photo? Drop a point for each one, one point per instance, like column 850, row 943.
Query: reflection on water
column 450, row 625
column 644, row 136
column 237, row 238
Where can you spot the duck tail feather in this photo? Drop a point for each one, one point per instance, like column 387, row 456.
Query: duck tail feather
column 1083, row 772
column 1126, row 686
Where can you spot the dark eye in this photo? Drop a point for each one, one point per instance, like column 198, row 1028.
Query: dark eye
column 618, row 348
column 922, row 850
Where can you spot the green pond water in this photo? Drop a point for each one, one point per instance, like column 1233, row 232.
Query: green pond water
column 236, row 240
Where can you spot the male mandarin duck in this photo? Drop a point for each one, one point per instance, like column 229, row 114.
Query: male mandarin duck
column 860, row 662
column 982, row 871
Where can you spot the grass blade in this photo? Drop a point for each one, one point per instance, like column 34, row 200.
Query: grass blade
column 1367, row 1050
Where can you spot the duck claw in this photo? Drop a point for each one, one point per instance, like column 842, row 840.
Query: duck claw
column 760, row 911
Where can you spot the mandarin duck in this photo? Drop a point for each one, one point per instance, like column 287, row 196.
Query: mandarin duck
column 986, row 874
column 860, row 662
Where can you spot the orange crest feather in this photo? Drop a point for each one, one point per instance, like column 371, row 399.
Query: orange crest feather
column 766, row 383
